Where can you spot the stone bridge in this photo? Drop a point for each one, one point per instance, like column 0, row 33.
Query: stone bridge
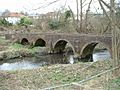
column 81, row 45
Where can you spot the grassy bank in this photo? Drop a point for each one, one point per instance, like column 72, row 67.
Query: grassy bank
column 17, row 50
column 48, row 76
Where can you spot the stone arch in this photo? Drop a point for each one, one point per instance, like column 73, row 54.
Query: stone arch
column 87, row 50
column 59, row 46
column 24, row 41
column 40, row 42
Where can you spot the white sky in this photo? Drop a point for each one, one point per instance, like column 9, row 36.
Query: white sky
column 29, row 5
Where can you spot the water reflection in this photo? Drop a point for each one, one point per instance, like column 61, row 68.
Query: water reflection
column 18, row 65
column 35, row 62
column 101, row 55
column 39, row 61
column 71, row 60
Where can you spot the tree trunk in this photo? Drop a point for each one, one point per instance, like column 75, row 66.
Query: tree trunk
column 114, row 34
column 77, row 14
column 81, row 15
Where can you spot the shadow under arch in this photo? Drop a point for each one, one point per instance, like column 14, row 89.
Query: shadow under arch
column 24, row 41
column 40, row 42
column 60, row 46
column 88, row 49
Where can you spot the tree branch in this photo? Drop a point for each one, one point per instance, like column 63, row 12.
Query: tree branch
column 104, row 10
column 105, row 4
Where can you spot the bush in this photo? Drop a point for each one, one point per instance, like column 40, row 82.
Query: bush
column 68, row 14
column 63, row 20
column 24, row 21
column 4, row 22
column 54, row 24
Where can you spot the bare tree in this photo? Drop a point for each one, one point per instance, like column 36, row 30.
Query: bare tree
column 81, row 14
column 77, row 13
column 86, row 16
column 114, row 33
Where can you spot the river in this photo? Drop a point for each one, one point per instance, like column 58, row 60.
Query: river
column 35, row 62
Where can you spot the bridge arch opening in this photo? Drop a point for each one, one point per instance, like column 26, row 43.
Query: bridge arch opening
column 63, row 46
column 40, row 42
column 24, row 41
column 95, row 51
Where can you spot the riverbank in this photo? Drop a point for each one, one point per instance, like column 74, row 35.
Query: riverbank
column 53, row 75
column 17, row 51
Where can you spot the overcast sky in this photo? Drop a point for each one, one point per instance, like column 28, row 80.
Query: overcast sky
column 31, row 6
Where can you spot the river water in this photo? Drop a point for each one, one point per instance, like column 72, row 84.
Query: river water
column 35, row 62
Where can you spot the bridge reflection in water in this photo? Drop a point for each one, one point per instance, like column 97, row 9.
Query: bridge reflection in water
column 37, row 62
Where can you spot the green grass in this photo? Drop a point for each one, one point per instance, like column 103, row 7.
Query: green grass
column 114, row 84
column 64, row 78
column 117, row 81
column 26, row 48
column 16, row 46
column 2, row 40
